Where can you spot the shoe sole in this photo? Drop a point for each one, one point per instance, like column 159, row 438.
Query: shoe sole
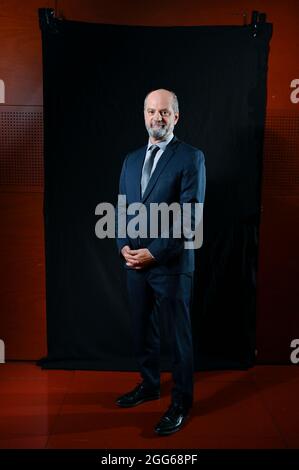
column 130, row 405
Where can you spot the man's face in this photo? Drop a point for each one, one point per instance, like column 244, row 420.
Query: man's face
column 159, row 116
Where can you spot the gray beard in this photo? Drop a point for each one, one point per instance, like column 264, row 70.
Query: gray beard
column 159, row 133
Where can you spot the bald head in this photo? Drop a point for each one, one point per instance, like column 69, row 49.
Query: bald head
column 164, row 94
column 161, row 113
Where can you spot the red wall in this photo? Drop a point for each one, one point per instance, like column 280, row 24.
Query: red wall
column 22, row 272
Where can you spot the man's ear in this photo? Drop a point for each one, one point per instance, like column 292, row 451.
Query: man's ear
column 176, row 117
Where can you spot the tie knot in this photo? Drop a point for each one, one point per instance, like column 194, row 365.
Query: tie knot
column 154, row 149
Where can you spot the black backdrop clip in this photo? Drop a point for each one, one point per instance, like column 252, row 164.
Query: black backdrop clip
column 256, row 20
column 47, row 20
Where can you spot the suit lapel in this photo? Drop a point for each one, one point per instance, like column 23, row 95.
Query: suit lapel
column 164, row 159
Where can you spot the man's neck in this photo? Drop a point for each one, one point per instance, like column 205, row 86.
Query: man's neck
column 156, row 141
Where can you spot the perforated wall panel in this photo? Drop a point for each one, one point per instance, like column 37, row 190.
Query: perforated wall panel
column 281, row 159
column 21, row 146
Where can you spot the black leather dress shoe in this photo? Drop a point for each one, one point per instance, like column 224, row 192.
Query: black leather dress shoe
column 137, row 396
column 172, row 420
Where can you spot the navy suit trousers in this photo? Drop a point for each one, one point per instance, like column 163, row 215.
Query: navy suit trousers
column 151, row 297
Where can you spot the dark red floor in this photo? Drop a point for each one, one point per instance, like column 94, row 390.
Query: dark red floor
column 253, row 409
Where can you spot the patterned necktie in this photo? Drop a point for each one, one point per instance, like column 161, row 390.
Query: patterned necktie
column 147, row 169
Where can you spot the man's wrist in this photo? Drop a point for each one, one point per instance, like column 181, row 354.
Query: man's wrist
column 123, row 249
column 151, row 254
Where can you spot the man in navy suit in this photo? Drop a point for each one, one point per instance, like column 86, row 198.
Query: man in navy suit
column 159, row 270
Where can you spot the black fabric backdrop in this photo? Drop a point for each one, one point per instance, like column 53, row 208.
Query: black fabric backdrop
column 95, row 80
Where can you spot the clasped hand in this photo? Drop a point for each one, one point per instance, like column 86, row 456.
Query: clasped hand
column 137, row 259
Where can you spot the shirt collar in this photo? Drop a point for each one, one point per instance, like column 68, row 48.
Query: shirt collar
column 162, row 145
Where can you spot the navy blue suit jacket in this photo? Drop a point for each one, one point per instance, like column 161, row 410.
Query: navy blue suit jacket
column 179, row 177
